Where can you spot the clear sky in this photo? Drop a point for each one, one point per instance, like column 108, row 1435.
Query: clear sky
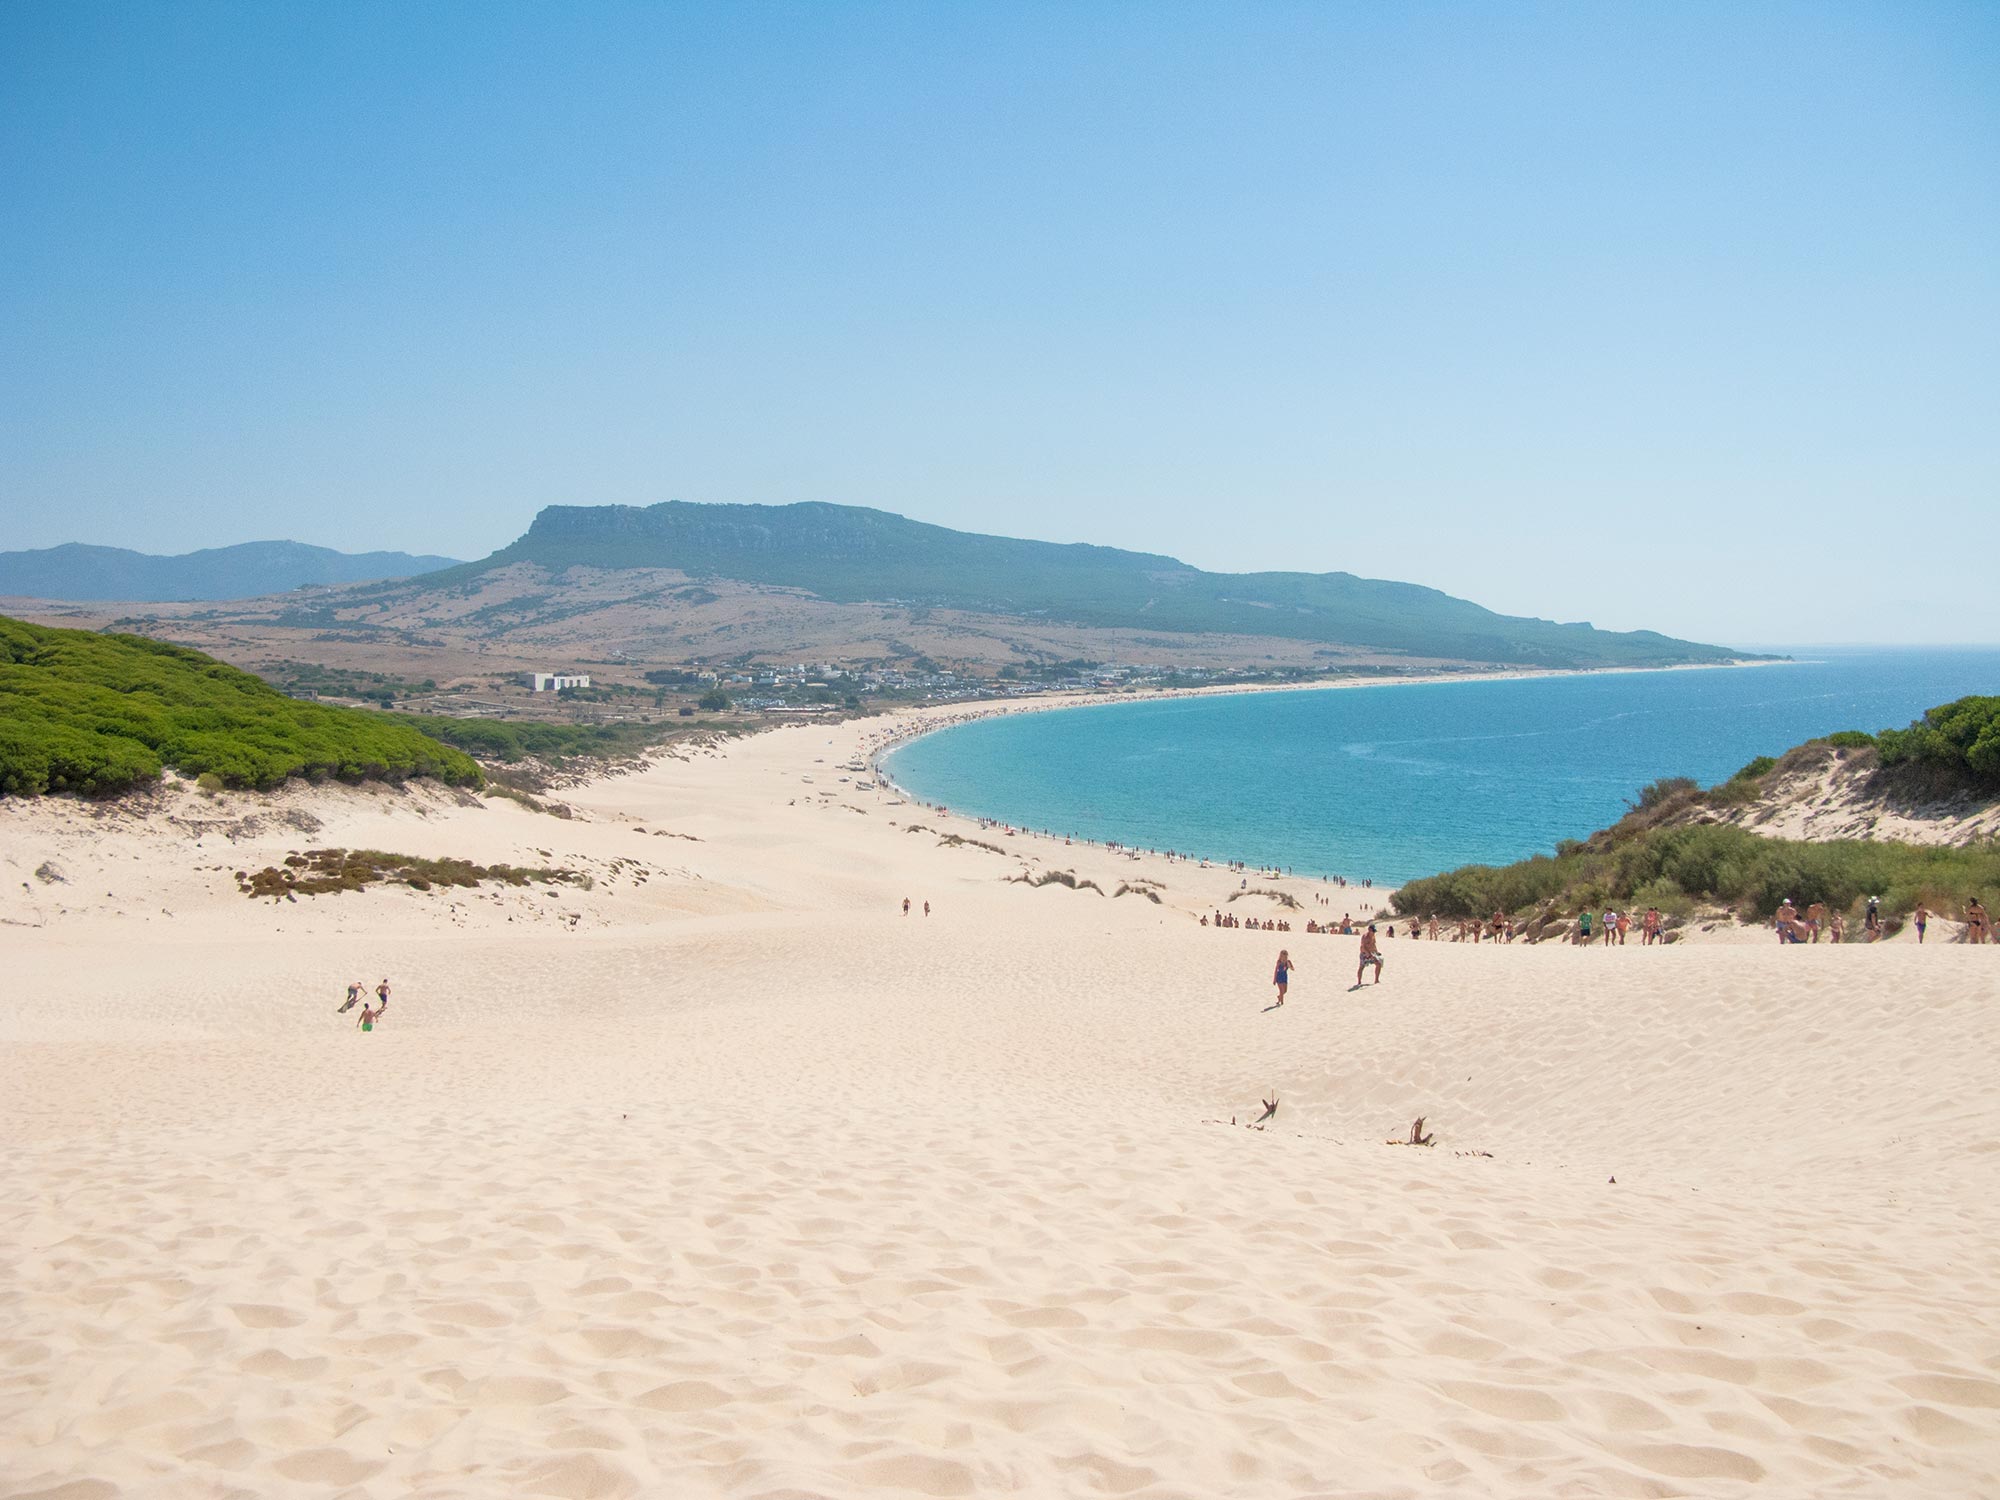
column 1684, row 316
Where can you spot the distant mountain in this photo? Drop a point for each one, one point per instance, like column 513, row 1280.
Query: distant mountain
column 848, row 554
column 76, row 571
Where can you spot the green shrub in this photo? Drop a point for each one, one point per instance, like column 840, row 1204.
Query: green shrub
column 1960, row 739
column 1759, row 768
column 99, row 714
column 1715, row 864
column 1666, row 789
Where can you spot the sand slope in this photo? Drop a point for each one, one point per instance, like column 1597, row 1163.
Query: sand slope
column 743, row 1184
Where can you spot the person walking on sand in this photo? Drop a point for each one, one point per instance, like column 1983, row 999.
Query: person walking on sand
column 1975, row 921
column 382, row 994
column 1282, row 975
column 1871, row 919
column 906, row 906
column 1583, row 929
column 927, row 908
column 354, row 993
column 1921, row 916
column 1371, row 953
column 367, row 1021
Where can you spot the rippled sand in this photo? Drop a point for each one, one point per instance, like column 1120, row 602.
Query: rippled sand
column 743, row 1184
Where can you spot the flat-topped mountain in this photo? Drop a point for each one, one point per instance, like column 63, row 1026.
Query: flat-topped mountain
column 75, row 571
column 849, row 554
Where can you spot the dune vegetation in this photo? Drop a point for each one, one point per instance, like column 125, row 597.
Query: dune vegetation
column 1667, row 852
column 508, row 741
column 1684, row 868
column 321, row 872
column 98, row 714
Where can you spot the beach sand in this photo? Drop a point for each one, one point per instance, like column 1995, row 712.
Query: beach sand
column 724, row 1178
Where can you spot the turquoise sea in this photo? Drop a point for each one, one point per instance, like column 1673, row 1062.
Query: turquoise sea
column 1398, row 780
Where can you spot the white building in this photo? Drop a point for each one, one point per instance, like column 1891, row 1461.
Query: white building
column 555, row 682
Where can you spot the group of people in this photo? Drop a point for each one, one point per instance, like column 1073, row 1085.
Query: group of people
column 1269, row 924
column 371, row 1015
column 906, row 907
column 1371, row 957
column 1816, row 921
column 1615, row 928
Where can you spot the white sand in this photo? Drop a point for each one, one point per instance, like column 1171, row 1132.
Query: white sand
column 743, row 1184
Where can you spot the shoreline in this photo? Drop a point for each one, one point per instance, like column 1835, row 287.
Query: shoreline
column 922, row 722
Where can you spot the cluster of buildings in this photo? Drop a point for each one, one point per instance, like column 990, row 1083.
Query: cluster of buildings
column 782, row 687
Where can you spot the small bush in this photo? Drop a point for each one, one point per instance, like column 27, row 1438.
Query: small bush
column 1961, row 740
column 320, row 872
column 1757, row 770
column 1667, row 789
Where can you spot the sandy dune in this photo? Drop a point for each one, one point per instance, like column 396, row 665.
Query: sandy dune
column 723, row 1178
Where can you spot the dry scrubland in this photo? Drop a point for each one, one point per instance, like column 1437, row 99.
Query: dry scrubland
column 715, row 1175
column 523, row 618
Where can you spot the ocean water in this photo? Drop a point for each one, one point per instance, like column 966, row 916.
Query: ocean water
column 1394, row 781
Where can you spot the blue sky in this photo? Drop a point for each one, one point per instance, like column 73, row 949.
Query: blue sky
column 1682, row 316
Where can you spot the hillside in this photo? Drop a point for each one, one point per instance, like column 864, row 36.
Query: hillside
column 78, row 572
column 100, row 714
column 1907, row 815
column 850, row 555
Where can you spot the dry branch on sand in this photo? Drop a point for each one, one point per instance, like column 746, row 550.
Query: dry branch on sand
column 1416, row 1136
